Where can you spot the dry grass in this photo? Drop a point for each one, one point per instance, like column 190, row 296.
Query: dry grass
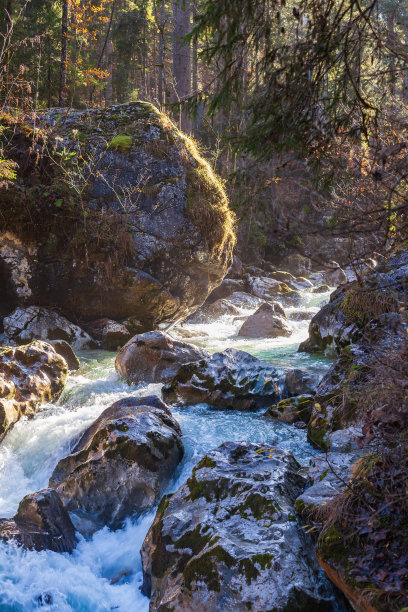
column 361, row 304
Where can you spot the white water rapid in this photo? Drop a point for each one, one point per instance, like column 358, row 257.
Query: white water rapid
column 104, row 573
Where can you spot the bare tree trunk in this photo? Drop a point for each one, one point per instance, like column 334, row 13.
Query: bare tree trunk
column 108, row 65
column 405, row 71
column 64, row 54
column 161, row 26
column 181, row 58
column 195, row 66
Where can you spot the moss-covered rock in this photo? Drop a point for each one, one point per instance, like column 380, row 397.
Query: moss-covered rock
column 121, row 465
column 228, row 539
column 122, row 217
column 231, row 379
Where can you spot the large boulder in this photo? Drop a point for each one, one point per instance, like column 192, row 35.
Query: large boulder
column 29, row 376
column 231, row 379
column 154, row 357
column 270, row 289
column 35, row 323
column 141, row 226
column 228, row 539
column 266, row 322
column 121, row 465
column 41, row 523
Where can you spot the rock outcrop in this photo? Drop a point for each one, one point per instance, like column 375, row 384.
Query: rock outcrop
column 228, row 539
column 121, row 465
column 267, row 322
column 41, row 523
column 154, row 357
column 29, row 376
column 35, row 323
column 150, row 231
column 231, row 379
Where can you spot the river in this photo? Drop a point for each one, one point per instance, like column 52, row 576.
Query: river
column 104, row 573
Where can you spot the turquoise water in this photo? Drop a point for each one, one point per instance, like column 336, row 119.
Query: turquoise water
column 104, row 573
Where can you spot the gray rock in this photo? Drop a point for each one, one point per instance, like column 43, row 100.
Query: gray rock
column 299, row 382
column 41, row 523
column 335, row 276
column 231, row 379
column 121, row 465
column 170, row 229
column 35, row 323
column 154, row 357
column 266, row 322
column 329, row 475
column 228, row 539
column 270, row 289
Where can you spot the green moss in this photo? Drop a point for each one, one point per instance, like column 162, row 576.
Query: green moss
column 206, row 462
column 205, row 568
column 264, row 561
column 257, row 506
column 121, row 142
column 247, row 567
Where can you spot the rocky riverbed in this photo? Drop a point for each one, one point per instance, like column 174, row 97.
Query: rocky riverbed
column 104, row 571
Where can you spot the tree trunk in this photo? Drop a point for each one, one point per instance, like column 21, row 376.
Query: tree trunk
column 181, row 59
column 64, row 54
column 108, row 65
column 161, row 26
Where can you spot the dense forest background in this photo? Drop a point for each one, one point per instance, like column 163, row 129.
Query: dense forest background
column 300, row 106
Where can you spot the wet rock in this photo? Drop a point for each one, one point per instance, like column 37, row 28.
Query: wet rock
column 300, row 315
column 227, row 287
column 292, row 410
column 300, row 382
column 331, row 327
column 231, row 379
column 269, row 289
column 301, row 282
column 280, row 275
column 320, row 289
column 112, row 335
column 66, row 351
column 121, row 465
column 328, row 476
column 154, row 357
column 41, row 523
column 209, row 312
column 335, row 276
column 228, row 539
column 244, row 300
column 175, row 246
column 29, row 376
column 36, row 323
column 266, row 322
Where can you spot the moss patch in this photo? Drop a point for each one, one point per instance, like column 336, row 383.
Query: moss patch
column 121, row 142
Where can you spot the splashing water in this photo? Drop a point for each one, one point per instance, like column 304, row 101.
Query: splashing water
column 104, row 573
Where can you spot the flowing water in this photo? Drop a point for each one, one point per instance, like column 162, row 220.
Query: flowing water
column 104, row 573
